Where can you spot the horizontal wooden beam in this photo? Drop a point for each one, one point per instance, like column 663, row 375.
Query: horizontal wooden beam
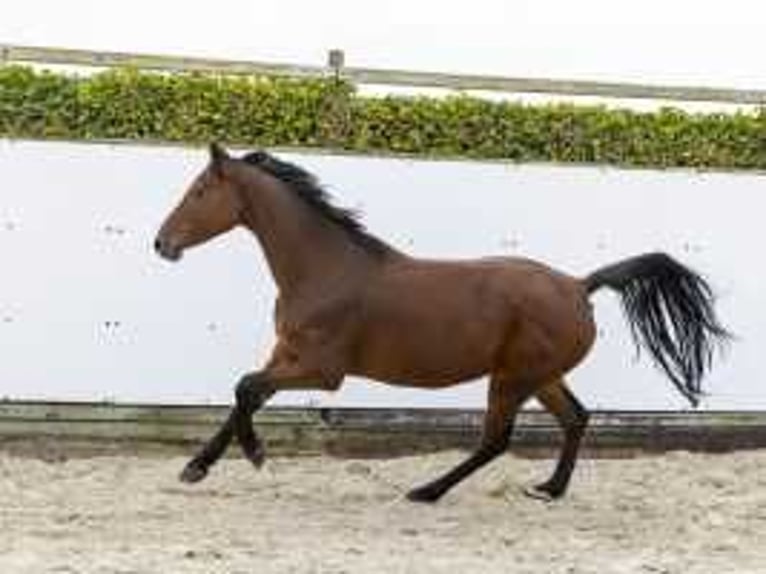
column 386, row 77
column 617, row 90
column 102, row 59
column 371, row 431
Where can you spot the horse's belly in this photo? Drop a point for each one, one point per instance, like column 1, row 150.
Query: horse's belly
column 436, row 354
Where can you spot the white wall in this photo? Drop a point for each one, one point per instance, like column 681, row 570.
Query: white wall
column 88, row 312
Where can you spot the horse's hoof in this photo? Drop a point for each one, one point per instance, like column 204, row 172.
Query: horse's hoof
column 423, row 494
column 539, row 493
column 257, row 457
column 192, row 473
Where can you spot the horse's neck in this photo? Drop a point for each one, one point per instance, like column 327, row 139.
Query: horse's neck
column 303, row 249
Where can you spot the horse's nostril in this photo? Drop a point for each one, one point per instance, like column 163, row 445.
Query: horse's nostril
column 167, row 249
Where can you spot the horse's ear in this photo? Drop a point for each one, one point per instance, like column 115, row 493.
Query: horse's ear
column 217, row 154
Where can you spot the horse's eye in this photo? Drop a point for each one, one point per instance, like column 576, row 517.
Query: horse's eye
column 199, row 192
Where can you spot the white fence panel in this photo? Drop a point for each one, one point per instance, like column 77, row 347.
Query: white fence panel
column 88, row 312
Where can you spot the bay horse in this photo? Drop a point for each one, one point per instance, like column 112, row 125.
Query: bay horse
column 350, row 304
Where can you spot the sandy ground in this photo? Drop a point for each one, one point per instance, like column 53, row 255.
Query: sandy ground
column 676, row 513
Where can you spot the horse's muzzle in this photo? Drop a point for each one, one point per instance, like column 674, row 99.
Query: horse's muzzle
column 167, row 250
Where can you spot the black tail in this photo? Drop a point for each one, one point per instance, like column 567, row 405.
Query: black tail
column 670, row 311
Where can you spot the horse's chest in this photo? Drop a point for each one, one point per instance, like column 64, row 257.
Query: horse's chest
column 315, row 333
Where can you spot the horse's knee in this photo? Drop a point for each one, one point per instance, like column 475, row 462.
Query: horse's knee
column 243, row 390
column 252, row 390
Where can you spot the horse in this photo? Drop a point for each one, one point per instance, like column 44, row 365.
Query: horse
column 348, row 303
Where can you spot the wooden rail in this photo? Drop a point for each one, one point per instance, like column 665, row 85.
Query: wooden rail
column 366, row 432
column 386, row 77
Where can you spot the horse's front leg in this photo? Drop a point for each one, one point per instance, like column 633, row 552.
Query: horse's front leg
column 252, row 393
column 197, row 468
column 254, row 390
column 311, row 367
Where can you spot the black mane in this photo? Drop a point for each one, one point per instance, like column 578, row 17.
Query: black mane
column 307, row 187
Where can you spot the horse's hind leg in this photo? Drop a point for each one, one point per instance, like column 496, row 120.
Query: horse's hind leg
column 573, row 418
column 502, row 405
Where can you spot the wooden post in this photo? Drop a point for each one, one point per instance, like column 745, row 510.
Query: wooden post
column 335, row 61
column 336, row 113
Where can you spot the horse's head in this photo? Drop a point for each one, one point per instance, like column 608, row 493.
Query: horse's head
column 209, row 207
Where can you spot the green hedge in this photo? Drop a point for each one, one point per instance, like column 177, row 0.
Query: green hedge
column 128, row 104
